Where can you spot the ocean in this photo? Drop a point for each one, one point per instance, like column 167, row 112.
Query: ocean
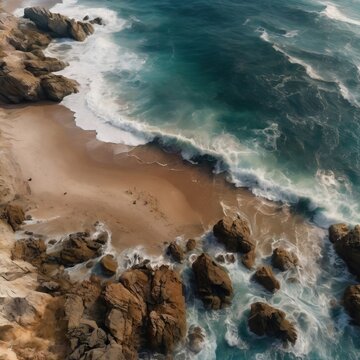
column 268, row 92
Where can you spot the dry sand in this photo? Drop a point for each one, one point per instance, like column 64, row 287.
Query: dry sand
column 144, row 195
column 11, row 5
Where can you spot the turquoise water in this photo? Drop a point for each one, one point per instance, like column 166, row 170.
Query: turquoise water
column 266, row 90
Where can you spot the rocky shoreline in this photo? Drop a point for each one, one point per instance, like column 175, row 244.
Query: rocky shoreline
column 136, row 309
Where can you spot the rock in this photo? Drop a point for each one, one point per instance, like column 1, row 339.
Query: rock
column 109, row 264
column 190, row 245
column 14, row 215
column 30, row 250
column 248, row 259
column 74, row 309
column 50, row 286
column 56, row 87
column 266, row 320
column 283, row 259
column 234, row 233
column 196, row 339
column 265, row 277
column 348, row 248
column 351, row 302
column 102, row 238
column 213, row 283
column 337, row 231
column 58, row 25
column 78, row 248
column 44, row 66
column 176, row 252
column 220, row 258
column 28, row 39
column 97, row 20
column 167, row 312
column 230, row 258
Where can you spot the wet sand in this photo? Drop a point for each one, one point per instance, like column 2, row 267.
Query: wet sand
column 144, row 195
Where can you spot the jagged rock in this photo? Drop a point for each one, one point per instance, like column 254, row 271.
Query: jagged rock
column 213, row 283
column 78, row 248
column 14, row 215
column 49, row 286
column 30, row 250
column 352, row 302
column 234, row 233
column 167, row 316
column 43, row 66
column 265, row 277
column 28, row 39
column 190, row 245
column 109, row 264
column 56, row 87
column 266, row 320
column 58, row 25
column 176, row 252
column 196, row 339
column 283, row 259
column 337, row 231
column 138, row 282
column 97, row 21
column 348, row 247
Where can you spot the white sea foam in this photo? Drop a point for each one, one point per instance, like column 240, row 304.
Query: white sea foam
column 291, row 34
column 332, row 12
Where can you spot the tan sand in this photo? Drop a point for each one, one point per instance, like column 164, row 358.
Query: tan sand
column 11, row 5
column 77, row 180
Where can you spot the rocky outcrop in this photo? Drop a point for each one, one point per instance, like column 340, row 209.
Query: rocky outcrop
column 78, row 248
column 347, row 245
column 14, row 215
column 234, row 234
column 213, row 283
column 265, row 277
column 56, row 87
column 109, row 264
column 58, row 25
column 283, row 259
column 176, row 252
column 351, row 302
column 266, row 320
column 196, row 339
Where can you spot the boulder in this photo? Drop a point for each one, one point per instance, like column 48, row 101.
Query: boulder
column 56, row 87
column 248, row 259
column 348, row 248
column 196, row 339
column 337, row 231
column 266, row 320
column 213, row 283
column 167, row 312
column 97, row 21
column 234, row 234
column 176, row 252
column 14, row 215
column 265, row 277
column 58, row 25
column 109, row 264
column 351, row 302
column 30, row 250
column 190, row 245
column 283, row 259
column 44, row 66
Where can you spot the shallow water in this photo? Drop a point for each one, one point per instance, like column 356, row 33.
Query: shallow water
column 271, row 91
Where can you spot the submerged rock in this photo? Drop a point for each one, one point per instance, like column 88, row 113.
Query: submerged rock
column 283, row 259
column 212, row 282
column 347, row 245
column 266, row 320
column 265, row 277
column 352, row 302
column 58, row 25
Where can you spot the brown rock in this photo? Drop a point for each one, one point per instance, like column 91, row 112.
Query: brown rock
column 213, row 283
column 56, row 87
column 283, row 259
column 43, row 66
column 348, row 247
column 265, row 277
column 352, row 302
column 176, row 252
column 248, row 259
column 220, row 258
column 73, row 308
column 230, row 258
column 234, row 233
column 14, row 215
column 167, row 316
column 109, row 264
column 30, row 250
column 190, row 245
column 337, row 231
column 266, row 320
column 28, row 38
column 196, row 339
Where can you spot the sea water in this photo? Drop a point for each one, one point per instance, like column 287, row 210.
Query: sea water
column 270, row 91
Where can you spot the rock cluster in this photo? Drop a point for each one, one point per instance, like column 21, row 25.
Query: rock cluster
column 26, row 74
column 347, row 245
column 213, row 283
column 266, row 320
column 234, row 234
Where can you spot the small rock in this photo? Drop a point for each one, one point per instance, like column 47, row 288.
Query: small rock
column 176, row 252
column 337, row 231
column 14, row 214
column 190, row 245
column 230, row 258
column 283, row 259
column 196, row 339
column 220, row 258
column 109, row 264
column 265, row 277
column 97, row 20
column 351, row 301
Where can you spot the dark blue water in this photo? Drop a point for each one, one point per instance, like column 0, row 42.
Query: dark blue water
column 271, row 91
